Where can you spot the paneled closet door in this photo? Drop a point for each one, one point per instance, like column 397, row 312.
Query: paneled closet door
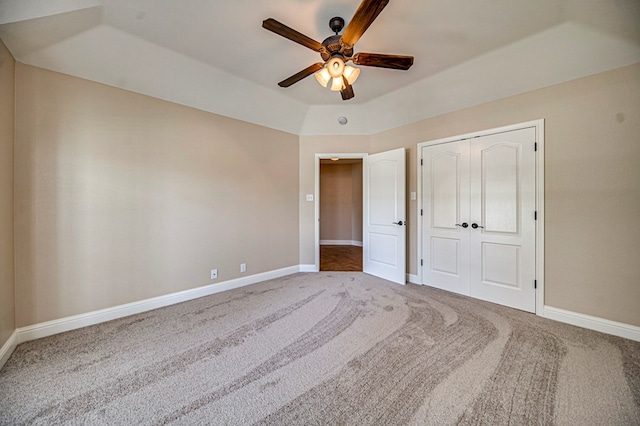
column 502, row 223
column 478, row 222
column 445, row 219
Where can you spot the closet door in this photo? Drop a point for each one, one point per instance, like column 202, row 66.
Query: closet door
column 478, row 218
column 445, row 218
column 502, row 222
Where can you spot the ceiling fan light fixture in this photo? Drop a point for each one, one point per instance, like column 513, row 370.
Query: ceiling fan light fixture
column 323, row 77
column 351, row 74
column 335, row 66
column 337, row 84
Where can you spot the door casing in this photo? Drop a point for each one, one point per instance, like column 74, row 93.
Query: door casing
column 539, row 196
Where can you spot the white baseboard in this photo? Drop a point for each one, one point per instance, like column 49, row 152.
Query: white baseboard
column 413, row 279
column 308, row 268
column 61, row 325
column 340, row 243
column 8, row 347
column 592, row 323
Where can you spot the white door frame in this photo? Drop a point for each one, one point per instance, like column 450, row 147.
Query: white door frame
column 539, row 126
column 317, row 195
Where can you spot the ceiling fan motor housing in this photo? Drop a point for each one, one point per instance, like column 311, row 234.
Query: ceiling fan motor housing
column 334, row 47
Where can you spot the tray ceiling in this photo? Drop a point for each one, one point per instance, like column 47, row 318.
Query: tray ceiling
column 215, row 56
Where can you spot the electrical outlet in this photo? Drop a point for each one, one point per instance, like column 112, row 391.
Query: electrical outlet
column 214, row 274
column 243, row 267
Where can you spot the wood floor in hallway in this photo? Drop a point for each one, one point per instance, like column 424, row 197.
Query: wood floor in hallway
column 340, row 258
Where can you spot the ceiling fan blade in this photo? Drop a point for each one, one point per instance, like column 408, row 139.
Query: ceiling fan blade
column 396, row 62
column 347, row 92
column 293, row 35
column 302, row 74
column 367, row 12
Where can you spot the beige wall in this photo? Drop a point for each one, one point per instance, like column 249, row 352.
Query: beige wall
column 122, row 197
column 592, row 185
column 7, row 312
column 341, row 201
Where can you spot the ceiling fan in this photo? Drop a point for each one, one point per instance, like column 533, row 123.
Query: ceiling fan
column 337, row 50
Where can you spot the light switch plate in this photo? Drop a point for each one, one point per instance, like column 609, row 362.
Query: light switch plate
column 413, row 195
column 309, row 197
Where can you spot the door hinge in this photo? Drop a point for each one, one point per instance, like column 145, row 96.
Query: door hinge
column 535, row 215
column 535, row 284
column 421, row 262
column 420, row 212
column 421, row 161
column 535, row 146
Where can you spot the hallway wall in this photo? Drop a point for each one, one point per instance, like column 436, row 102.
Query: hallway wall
column 7, row 302
column 341, row 201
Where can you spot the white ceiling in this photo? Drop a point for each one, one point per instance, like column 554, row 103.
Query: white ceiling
column 215, row 56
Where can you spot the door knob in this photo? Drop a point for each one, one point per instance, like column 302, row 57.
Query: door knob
column 464, row 224
column 476, row 226
column 399, row 223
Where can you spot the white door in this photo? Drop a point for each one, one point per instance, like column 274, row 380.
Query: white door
column 446, row 215
column 384, row 221
column 503, row 227
column 478, row 217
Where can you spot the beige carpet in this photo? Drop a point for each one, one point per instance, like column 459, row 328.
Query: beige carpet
column 327, row 348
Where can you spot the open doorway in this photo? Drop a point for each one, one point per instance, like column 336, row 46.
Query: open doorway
column 383, row 212
column 340, row 214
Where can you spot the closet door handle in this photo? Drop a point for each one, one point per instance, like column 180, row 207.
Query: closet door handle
column 476, row 226
column 464, row 224
column 399, row 223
